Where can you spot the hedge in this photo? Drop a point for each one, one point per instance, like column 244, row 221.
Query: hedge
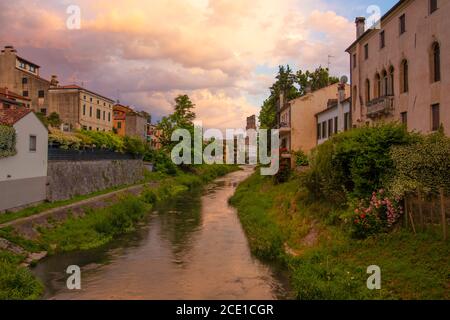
column 7, row 141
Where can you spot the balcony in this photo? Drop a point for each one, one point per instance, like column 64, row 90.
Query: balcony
column 382, row 106
column 283, row 127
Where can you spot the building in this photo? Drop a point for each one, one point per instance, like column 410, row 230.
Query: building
column 11, row 100
column 400, row 71
column 335, row 118
column 128, row 122
column 80, row 108
column 22, row 77
column 297, row 121
column 23, row 177
column 154, row 135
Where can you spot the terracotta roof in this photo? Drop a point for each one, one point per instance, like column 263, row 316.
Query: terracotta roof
column 10, row 116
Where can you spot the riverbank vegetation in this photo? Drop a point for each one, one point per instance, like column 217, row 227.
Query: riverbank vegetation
column 95, row 227
column 330, row 223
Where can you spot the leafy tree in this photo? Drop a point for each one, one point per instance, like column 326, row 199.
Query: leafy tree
column 54, row 120
column 318, row 79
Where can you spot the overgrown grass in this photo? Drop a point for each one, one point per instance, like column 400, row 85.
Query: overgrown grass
column 17, row 283
column 276, row 217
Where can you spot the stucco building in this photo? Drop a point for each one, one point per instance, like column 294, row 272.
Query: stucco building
column 23, row 177
column 128, row 122
column 10, row 100
column 23, row 78
column 297, row 122
column 80, row 108
column 400, row 69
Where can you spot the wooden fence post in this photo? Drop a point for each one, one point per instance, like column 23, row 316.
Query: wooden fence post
column 444, row 219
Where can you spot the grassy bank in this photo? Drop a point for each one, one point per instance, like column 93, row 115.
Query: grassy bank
column 324, row 261
column 95, row 228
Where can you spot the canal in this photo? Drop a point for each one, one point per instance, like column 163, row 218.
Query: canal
column 192, row 247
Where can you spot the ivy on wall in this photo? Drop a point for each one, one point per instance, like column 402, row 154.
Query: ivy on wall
column 7, row 141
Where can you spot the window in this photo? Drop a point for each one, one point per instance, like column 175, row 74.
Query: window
column 98, row 101
column 33, row 69
column 84, row 128
column 404, row 117
column 367, row 91
column 41, row 94
column 25, row 93
column 382, row 40
column 433, row 6
column 377, row 85
column 119, row 125
column 335, row 124
column 366, row 51
column 391, row 81
column 90, row 112
column 330, row 127
column 90, row 128
column 436, row 62
column 44, row 111
column 405, row 76
column 354, row 61
column 22, row 65
column 385, row 84
column 435, row 119
column 346, row 121
column 84, row 109
column 319, row 131
column 90, row 99
column 24, row 80
column 109, row 116
column 33, row 143
column 104, row 115
column 324, row 130
column 99, row 114
column 84, row 97
column 402, row 24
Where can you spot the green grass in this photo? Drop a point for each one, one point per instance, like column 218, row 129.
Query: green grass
column 17, row 283
column 334, row 267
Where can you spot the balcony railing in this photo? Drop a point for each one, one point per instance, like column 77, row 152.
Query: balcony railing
column 380, row 106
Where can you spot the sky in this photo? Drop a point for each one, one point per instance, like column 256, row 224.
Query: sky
column 223, row 53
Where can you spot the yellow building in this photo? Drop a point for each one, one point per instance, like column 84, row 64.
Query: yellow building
column 80, row 108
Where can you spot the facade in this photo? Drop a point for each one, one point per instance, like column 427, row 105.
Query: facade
column 23, row 177
column 400, row 72
column 128, row 122
column 297, row 122
column 80, row 108
column 22, row 77
column 335, row 118
column 153, row 136
column 11, row 100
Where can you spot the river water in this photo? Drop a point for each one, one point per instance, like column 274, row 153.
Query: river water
column 192, row 247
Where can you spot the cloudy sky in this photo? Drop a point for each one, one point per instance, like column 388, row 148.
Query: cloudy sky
column 223, row 53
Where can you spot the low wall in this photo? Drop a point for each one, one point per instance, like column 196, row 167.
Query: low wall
column 22, row 192
column 67, row 179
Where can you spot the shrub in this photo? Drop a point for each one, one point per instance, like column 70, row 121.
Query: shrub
column 134, row 145
column 64, row 140
column 379, row 214
column 7, row 141
column 424, row 165
column 301, row 159
column 161, row 161
column 355, row 162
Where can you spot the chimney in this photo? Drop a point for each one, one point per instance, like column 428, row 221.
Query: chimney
column 360, row 26
column 54, row 81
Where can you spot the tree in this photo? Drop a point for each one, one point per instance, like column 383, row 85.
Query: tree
column 54, row 120
column 318, row 79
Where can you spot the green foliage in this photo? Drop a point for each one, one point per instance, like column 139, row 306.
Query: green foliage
column 134, row 145
column 54, row 120
column 424, row 165
column 161, row 161
column 355, row 163
column 318, row 79
column 7, row 141
column 17, row 283
column 301, row 159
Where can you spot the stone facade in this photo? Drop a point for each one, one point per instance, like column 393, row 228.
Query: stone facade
column 67, row 179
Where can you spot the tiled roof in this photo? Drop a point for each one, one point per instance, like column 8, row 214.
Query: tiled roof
column 10, row 116
column 9, row 94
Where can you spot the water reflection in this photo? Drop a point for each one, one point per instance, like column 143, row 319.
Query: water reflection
column 192, row 247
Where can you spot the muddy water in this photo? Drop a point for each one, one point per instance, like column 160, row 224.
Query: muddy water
column 192, row 247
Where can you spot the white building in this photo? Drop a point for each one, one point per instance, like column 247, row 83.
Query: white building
column 23, row 177
column 335, row 118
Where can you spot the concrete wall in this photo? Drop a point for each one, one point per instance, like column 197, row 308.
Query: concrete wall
column 67, row 179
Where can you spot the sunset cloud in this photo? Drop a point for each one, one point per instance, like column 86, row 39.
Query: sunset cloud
column 147, row 52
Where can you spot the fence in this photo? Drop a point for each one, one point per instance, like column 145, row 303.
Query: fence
column 424, row 210
column 57, row 154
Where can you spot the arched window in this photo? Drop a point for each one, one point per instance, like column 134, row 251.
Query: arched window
column 367, row 90
column 385, row 84
column 377, row 86
column 404, row 78
column 391, row 81
column 436, row 62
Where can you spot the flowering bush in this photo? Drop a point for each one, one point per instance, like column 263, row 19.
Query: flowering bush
column 379, row 214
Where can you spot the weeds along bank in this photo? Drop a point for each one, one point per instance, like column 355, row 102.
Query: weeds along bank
column 96, row 227
column 344, row 214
